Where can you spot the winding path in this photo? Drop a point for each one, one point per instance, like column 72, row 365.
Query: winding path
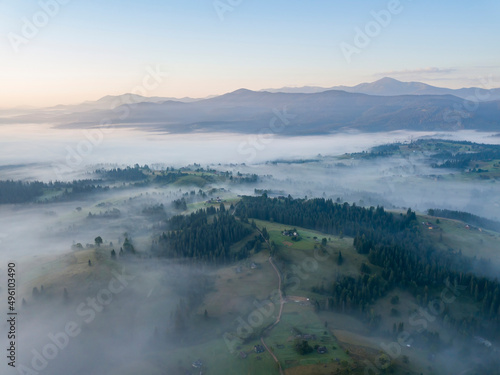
column 282, row 302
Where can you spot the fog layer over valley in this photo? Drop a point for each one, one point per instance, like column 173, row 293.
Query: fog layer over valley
column 106, row 232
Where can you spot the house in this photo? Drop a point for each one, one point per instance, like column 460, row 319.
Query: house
column 322, row 350
column 259, row 349
column 290, row 232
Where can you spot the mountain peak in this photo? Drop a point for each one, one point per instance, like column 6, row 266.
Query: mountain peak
column 242, row 91
column 387, row 80
column 383, row 83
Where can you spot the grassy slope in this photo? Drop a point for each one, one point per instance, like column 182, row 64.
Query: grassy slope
column 234, row 294
column 472, row 242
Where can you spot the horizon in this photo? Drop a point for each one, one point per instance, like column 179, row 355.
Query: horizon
column 53, row 55
column 92, row 100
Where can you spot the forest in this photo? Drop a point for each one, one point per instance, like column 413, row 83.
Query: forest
column 24, row 192
column 205, row 235
column 394, row 243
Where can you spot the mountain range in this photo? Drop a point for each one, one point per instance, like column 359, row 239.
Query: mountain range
column 385, row 105
column 392, row 87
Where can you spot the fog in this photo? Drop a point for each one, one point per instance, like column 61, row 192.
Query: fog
column 54, row 154
column 72, row 150
column 140, row 319
column 139, row 297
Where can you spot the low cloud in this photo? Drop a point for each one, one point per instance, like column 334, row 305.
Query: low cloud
column 421, row 71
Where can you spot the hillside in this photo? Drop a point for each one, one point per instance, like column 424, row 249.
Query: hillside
column 245, row 111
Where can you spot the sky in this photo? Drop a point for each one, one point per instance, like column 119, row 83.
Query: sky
column 68, row 51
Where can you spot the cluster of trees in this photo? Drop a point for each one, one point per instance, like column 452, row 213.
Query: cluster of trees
column 244, row 179
column 169, row 177
column 324, row 215
column 411, row 263
column 349, row 294
column 394, row 243
column 126, row 174
column 20, row 192
column 114, row 213
column 380, row 151
column 303, row 347
column 205, row 235
column 462, row 160
column 180, row 204
column 453, row 164
column 445, row 157
column 23, row 192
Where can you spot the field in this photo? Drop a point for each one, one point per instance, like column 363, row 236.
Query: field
column 71, row 270
column 320, row 267
column 243, row 291
column 457, row 236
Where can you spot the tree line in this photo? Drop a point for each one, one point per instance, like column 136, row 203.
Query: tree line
column 13, row 192
column 205, row 235
column 393, row 242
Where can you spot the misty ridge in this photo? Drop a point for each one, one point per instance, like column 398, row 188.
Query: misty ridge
column 384, row 105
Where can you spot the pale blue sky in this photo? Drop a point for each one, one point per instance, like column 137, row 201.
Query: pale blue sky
column 90, row 48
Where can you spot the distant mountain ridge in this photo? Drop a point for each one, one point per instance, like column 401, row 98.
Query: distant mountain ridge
column 392, row 87
column 113, row 101
column 246, row 111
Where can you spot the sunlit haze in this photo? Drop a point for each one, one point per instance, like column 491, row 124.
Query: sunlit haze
column 84, row 50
